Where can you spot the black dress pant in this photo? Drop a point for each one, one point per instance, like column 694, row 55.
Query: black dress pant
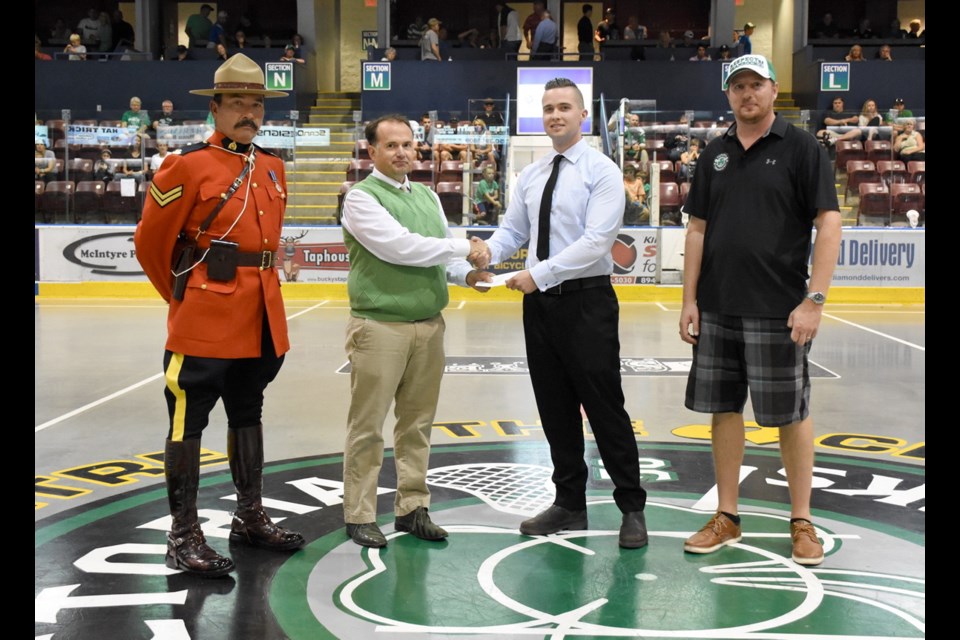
column 573, row 350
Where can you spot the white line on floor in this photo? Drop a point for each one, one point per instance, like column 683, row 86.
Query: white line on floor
column 874, row 331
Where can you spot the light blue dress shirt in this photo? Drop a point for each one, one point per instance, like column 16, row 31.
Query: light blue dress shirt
column 587, row 214
column 546, row 32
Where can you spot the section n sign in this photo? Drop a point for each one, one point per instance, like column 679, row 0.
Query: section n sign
column 279, row 76
column 376, row 76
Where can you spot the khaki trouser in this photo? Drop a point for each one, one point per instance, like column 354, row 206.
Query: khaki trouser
column 390, row 361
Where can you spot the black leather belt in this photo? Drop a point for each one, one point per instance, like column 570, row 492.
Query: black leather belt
column 262, row 259
column 569, row 286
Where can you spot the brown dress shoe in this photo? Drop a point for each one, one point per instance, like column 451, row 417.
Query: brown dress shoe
column 258, row 530
column 807, row 549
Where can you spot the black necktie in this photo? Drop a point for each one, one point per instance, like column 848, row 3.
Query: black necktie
column 546, row 202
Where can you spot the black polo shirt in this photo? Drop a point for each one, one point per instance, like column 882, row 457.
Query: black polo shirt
column 585, row 31
column 759, row 206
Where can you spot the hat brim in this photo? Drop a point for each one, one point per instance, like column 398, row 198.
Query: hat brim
column 266, row 93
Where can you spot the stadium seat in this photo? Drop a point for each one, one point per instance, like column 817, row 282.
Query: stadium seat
column 57, row 200
column 38, row 186
column 121, row 208
column 88, row 202
column 917, row 169
column 849, row 150
column 56, row 130
column 451, row 199
column 874, row 203
column 892, row 171
column 423, row 172
column 670, row 204
column 878, row 150
column 903, row 197
column 684, row 191
column 668, row 172
column 79, row 170
column 860, row 171
column 361, row 150
column 450, row 171
column 359, row 169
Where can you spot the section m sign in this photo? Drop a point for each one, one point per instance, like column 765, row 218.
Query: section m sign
column 279, row 76
column 376, row 76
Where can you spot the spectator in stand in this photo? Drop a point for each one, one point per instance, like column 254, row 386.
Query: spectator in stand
column 530, row 24
column 895, row 117
column 299, row 49
column 60, row 34
column 490, row 115
column 416, row 29
column 688, row 39
column 430, row 42
column 837, row 117
column 863, row 30
column 167, row 117
column 198, row 27
column 634, row 30
column 826, row 28
column 635, row 141
column 122, row 30
column 469, row 39
column 488, row 197
column 135, row 118
column 884, row 53
column 103, row 168
column 508, row 21
column 702, row 55
column 636, row 212
column 106, row 32
column 855, row 54
column 677, row 140
column 222, row 54
column 869, row 120
column 157, row 159
column 688, row 161
column 389, row 55
column 483, row 149
column 545, row 38
column 723, row 53
column 133, row 166
column 290, row 55
column 183, row 53
column 585, row 34
column 425, row 145
column 664, row 40
column 895, row 31
column 218, row 32
column 909, row 144
column 89, row 29
column 44, row 163
column 76, row 50
column 914, row 32
column 240, row 38
column 742, row 40
column 606, row 29
column 37, row 53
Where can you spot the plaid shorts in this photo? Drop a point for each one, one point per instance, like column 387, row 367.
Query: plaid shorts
column 734, row 355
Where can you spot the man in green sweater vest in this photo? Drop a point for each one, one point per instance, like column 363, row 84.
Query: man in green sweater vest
column 401, row 257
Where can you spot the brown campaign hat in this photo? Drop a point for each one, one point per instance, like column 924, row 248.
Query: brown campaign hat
column 239, row 74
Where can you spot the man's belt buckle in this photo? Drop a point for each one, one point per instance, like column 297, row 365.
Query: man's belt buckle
column 555, row 290
column 266, row 260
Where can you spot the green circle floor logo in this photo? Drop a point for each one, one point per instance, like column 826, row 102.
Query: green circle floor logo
column 103, row 569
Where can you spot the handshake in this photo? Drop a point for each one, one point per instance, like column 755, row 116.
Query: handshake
column 479, row 255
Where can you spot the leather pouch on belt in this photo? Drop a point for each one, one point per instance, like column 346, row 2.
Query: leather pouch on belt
column 222, row 260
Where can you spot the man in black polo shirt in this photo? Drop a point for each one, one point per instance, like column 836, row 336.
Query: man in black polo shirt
column 747, row 309
column 585, row 34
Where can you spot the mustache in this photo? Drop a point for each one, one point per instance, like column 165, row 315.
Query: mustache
column 247, row 122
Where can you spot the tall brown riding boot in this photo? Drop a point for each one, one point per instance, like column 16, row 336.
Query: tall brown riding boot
column 187, row 548
column 251, row 525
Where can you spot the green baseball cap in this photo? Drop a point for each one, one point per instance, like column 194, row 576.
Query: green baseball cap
column 752, row 62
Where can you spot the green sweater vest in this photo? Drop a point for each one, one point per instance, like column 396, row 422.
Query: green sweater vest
column 389, row 292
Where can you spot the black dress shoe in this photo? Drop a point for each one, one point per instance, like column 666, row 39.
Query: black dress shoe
column 419, row 524
column 633, row 531
column 367, row 534
column 554, row 518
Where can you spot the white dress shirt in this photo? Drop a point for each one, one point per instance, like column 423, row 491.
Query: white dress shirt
column 587, row 214
column 372, row 225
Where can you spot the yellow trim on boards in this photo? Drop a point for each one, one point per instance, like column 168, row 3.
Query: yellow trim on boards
column 326, row 291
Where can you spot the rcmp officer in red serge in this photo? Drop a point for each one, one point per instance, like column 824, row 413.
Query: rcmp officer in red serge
column 215, row 212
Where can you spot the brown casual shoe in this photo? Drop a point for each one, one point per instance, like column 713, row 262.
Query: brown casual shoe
column 367, row 534
column 419, row 524
column 720, row 531
column 807, row 549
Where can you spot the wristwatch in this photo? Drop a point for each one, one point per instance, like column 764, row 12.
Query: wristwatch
column 817, row 297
